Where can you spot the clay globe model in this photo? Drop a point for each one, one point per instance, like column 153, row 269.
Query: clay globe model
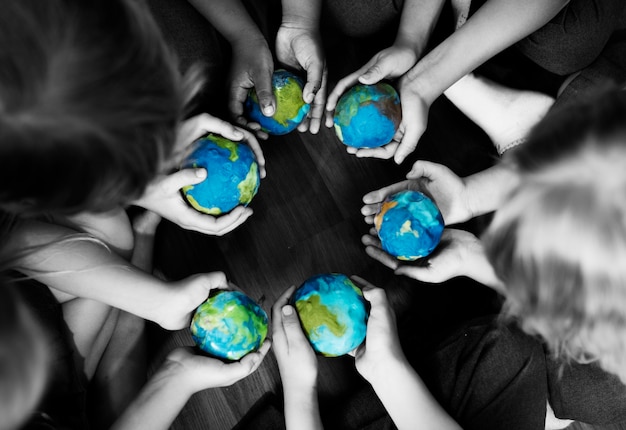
column 368, row 116
column 232, row 175
column 229, row 325
column 290, row 106
column 409, row 225
column 332, row 312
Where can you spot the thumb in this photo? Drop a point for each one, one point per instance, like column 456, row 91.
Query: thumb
column 265, row 94
column 291, row 325
column 184, row 177
column 373, row 74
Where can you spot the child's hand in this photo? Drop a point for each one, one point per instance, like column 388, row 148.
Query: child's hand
column 196, row 373
column 252, row 67
column 382, row 344
column 163, row 197
column 388, row 63
column 299, row 46
column 184, row 296
column 438, row 182
column 295, row 356
column 459, row 253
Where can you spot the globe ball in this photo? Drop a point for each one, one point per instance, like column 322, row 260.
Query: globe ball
column 290, row 106
column 232, row 175
column 229, row 325
column 333, row 313
column 368, row 116
column 409, row 225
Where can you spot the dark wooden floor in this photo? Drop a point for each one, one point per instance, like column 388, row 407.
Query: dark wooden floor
column 307, row 221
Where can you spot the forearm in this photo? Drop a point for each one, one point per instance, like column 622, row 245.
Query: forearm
column 82, row 267
column 495, row 26
column 302, row 12
column 158, row 403
column 230, row 18
column 417, row 22
column 302, row 409
column 408, row 401
column 488, row 189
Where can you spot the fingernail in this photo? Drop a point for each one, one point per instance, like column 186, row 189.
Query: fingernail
column 287, row 310
column 200, row 173
column 268, row 110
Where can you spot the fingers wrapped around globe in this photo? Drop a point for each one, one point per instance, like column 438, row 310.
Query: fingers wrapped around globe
column 409, row 225
column 232, row 180
column 291, row 109
column 333, row 313
column 368, row 116
column 229, row 325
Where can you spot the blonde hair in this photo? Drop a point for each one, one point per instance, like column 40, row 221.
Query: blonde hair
column 559, row 242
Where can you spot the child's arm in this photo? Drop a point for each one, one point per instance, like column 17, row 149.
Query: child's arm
column 497, row 25
column 179, row 377
column 381, row 361
column 84, row 267
column 252, row 63
column 297, row 365
column 299, row 46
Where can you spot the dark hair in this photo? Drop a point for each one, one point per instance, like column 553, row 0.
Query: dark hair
column 90, row 100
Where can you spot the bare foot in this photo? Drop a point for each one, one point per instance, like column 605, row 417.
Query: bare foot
column 506, row 115
column 554, row 423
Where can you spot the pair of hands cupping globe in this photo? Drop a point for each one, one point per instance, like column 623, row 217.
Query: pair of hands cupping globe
column 331, row 308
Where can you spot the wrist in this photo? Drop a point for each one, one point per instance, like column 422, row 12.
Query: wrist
column 389, row 371
column 377, row 370
column 172, row 376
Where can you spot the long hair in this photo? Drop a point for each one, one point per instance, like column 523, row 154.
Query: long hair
column 90, row 100
column 559, row 242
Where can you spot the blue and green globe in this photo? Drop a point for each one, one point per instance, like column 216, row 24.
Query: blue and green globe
column 409, row 225
column 332, row 312
column 232, row 175
column 290, row 106
column 368, row 116
column 229, row 325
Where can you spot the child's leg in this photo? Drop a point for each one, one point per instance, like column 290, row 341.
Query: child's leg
column 122, row 370
column 506, row 115
column 121, row 373
column 575, row 37
column 91, row 324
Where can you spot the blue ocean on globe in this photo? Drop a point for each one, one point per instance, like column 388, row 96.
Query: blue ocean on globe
column 232, row 175
column 229, row 325
column 409, row 225
column 290, row 106
column 368, row 116
column 332, row 312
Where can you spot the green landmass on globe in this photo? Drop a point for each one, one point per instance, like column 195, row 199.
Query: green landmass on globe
column 229, row 325
column 290, row 106
column 332, row 312
column 368, row 116
column 232, row 175
column 409, row 225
